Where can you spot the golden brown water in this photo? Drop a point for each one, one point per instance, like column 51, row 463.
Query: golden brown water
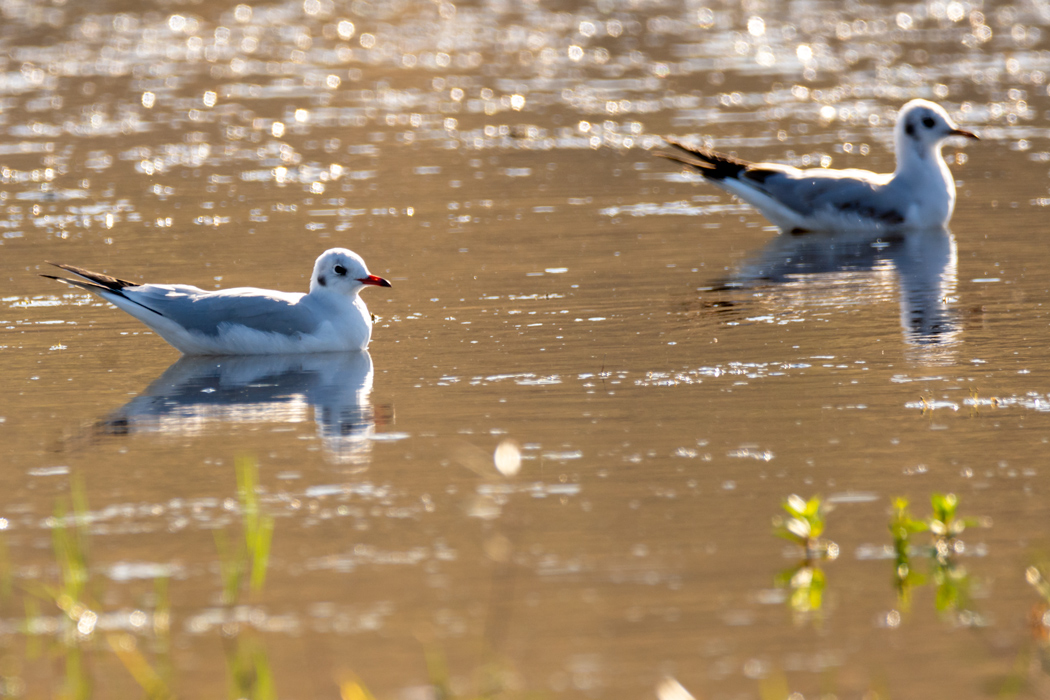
column 670, row 368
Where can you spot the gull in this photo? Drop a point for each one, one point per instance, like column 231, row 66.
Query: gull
column 247, row 320
column 919, row 194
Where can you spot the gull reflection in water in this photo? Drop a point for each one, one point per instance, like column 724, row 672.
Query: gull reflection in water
column 198, row 391
column 923, row 262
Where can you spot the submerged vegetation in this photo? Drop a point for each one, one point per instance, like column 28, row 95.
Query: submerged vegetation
column 84, row 632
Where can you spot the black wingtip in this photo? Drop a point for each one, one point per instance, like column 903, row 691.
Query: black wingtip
column 106, row 281
column 99, row 284
column 81, row 284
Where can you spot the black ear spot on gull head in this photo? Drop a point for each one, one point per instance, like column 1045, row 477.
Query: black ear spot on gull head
column 909, row 129
column 322, row 281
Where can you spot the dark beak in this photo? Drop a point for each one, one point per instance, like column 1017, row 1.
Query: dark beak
column 379, row 281
column 964, row 132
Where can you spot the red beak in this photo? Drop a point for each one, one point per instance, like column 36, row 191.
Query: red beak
column 373, row 280
column 964, row 132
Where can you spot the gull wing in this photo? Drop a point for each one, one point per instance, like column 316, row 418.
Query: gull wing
column 811, row 192
column 807, row 193
column 202, row 311
column 212, row 312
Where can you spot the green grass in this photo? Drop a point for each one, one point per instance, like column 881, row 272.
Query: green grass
column 81, row 647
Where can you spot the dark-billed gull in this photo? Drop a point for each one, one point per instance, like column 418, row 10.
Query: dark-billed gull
column 246, row 320
column 919, row 194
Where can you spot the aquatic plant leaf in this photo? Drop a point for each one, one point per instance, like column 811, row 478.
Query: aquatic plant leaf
column 795, row 505
column 799, row 528
column 354, row 690
column 125, row 646
column 260, row 556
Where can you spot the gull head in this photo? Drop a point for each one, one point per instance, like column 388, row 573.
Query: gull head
column 922, row 126
column 344, row 272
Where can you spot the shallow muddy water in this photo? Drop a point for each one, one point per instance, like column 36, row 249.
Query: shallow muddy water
column 591, row 388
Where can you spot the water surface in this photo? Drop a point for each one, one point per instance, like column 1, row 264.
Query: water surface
column 669, row 368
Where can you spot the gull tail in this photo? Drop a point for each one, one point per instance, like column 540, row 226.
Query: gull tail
column 102, row 285
column 711, row 164
column 719, row 166
column 746, row 180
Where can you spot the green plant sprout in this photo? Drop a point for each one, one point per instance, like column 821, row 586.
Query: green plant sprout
column 806, row 583
column 944, row 524
column 70, row 545
column 247, row 664
column 353, row 689
column 73, row 595
column 951, row 580
column 243, row 569
column 902, row 527
column 249, row 673
column 804, row 527
column 253, row 556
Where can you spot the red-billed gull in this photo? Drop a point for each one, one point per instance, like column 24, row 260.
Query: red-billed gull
column 919, row 194
column 246, row 320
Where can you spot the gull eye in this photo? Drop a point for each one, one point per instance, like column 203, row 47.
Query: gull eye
column 928, row 122
column 339, row 270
